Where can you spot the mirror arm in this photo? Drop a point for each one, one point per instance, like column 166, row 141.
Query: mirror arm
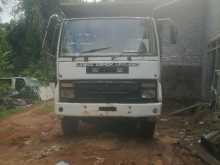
column 59, row 19
column 167, row 4
column 47, row 28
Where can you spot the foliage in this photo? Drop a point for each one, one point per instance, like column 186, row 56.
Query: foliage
column 47, row 107
column 4, row 88
column 26, row 34
column 5, row 53
column 8, row 112
column 20, row 43
column 25, row 43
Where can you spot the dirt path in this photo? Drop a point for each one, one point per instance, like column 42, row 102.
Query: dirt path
column 34, row 137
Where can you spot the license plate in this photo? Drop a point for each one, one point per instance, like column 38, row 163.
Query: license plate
column 107, row 70
column 108, row 109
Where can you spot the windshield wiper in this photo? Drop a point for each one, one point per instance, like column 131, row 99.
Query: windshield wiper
column 95, row 50
column 132, row 51
column 135, row 54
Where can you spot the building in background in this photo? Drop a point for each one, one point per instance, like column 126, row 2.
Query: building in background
column 182, row 70
column 212, row 58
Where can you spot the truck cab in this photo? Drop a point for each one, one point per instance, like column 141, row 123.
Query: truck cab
column 109, row 68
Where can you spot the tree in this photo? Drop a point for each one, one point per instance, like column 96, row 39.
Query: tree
column 5, row 52
column 26, row 34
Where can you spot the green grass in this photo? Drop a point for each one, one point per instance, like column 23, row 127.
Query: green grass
column 48, row 107
column 45, row 107
column 8, row 112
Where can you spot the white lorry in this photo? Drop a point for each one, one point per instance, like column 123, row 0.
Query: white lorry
column 109, row 68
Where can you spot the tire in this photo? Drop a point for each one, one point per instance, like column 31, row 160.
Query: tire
column 146, row 128
column 69, row 126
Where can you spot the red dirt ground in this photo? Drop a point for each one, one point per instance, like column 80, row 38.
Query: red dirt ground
column 34, row 137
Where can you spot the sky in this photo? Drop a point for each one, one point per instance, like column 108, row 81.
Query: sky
column 6, row 14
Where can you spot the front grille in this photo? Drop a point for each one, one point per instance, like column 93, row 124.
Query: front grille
column 108, row 92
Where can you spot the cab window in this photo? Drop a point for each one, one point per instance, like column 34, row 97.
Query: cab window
column 19, row 84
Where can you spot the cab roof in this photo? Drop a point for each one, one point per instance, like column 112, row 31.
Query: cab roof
column 107, row 9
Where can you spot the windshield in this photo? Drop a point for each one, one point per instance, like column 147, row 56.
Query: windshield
column 33, row 82
column 108, row 37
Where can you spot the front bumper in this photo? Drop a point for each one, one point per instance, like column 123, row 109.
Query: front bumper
column 122, row 110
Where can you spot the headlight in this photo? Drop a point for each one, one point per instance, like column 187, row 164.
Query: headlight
column 67, row 90
column 67, row 93
column 149, row 94
column 149, row 90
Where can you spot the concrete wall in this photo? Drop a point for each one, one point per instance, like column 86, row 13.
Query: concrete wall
column 182, row 63
column 213, row 18
column 212, row 31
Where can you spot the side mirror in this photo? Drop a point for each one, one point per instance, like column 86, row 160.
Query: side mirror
column 167, row 30
column 51, row 35
column 49, row 45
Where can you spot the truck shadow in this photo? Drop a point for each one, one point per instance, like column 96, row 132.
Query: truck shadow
column 126, row 129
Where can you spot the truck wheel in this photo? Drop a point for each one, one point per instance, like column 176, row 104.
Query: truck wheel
column 69, row 126
column 146, row 128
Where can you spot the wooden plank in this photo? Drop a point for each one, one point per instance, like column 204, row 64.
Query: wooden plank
column 189, row 108
column 201, row 153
